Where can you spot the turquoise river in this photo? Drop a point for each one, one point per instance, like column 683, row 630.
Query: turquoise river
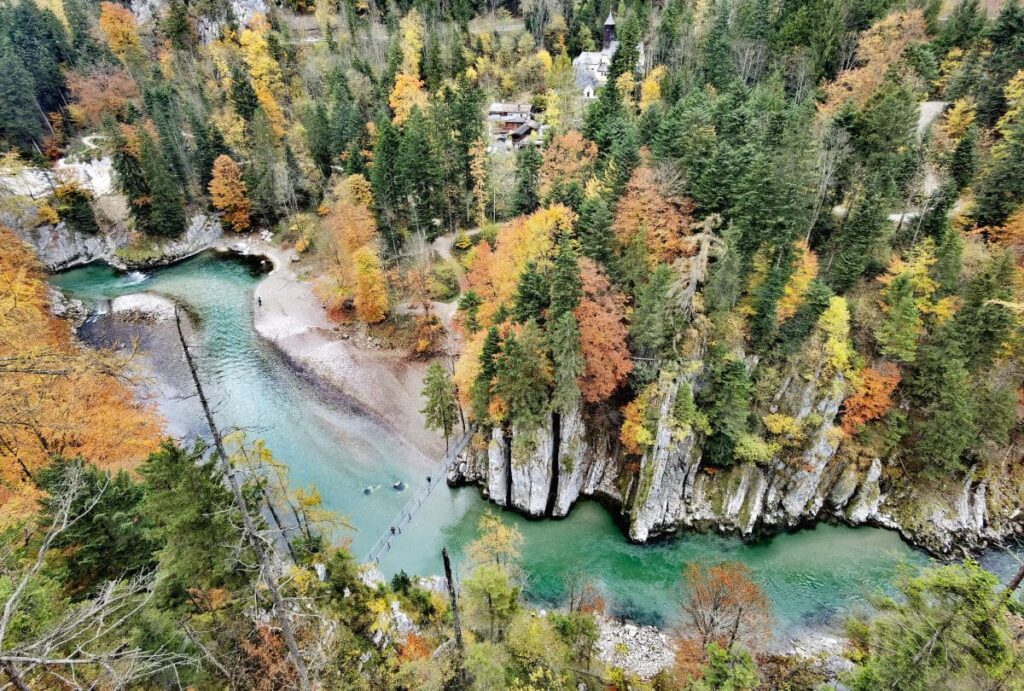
column 811, row 576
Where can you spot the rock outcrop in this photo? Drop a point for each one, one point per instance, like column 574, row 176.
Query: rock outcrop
column 542, row 472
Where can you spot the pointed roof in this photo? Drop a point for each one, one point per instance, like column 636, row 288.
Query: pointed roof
column 611, row 20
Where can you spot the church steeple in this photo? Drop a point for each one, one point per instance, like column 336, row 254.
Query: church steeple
column 609, row 31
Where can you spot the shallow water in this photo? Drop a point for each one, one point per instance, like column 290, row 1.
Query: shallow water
column 810, row 576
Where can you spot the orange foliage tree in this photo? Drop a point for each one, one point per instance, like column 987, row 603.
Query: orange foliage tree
column 873, row 396
column 494, row 273
column 645, row 207
column 97, row 94
column 569, row 158
column 58, row 399
column 601, row 317
column 877, row 50
column 724, row 605
column 227, row 192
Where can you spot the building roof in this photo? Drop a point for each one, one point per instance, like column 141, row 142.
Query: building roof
column 524, row 108
column 525, row 128
column 611, row 20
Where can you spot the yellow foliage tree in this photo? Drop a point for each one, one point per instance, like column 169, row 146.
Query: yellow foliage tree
column 58, row 399
column 227, row 192
column 411, row 30
column 650, row 88
column 877, row 50
column 805, row 272
column 267, row 81
column 407, row 94
column 120, row 31
column 371, row 298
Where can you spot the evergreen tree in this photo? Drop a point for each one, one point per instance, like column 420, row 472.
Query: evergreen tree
column 441, row 410
column 943, row 426
column 166, row 213
column 480, row 394
column 726, row 401
column 567, row 358
column 469, row 304
column 243, row 96
column 177, row 27
column 259, row 174
column 418, row 177
column 726, row 283
column 109, row 541
column 523, row 376
column 39, row 41
column 652, row 327
column 384, row 182
column 74, row 207
column 795, row 330
column 566, row 288
column 131, row 179
column 532, row 295
column 984, row 320
column 764, row 323
column 19, row 122
column 594, row 229
column 1004, row 58
column 193, row 517
column 318, row 138
column 862, row 230
column 209, row 144
column 1001, row 190
column 898, row 332
column 964, row 160
column 526, row 197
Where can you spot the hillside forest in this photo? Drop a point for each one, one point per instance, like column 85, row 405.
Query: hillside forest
column 778, row 226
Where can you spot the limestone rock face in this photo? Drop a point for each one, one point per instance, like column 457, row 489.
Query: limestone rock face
column 497, row 468
column 531, row 469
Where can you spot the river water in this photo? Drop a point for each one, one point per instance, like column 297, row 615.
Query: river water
column 811, row 576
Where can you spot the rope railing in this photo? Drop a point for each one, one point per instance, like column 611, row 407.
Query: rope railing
column 405, row 515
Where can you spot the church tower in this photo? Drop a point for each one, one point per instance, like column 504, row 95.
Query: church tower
column 609, row 31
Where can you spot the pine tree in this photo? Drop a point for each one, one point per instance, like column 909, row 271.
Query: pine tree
column 259, row 174
column 726, row 282
column 984, row 321
column 523, row 376
column 209, row 144
column 166, row 214
column 566, row 286
column 594, row 229
column 861, row 231
column 567, row 358
column 964, row 160
column 441, row 410
column 19, row 123
column 532, row 295
column 526, row 197
column 1001, row 190
column 897, row 335
column 480, row 394
column 131, row 179
column 318, row 138
column 243, row 96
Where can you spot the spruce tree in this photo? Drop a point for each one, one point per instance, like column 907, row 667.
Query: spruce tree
column 166, row 215
column 209, row 144
column 469, row 305
column 566, row 287
column 418, row 176
column 19, row 120
column 523, row 376
column 567, row 357
column 1001, row 190
column 532, row 295
column 984, row 320
column 243, row 96
column 898, row 332
column 651, row 326
column 862, row 229
column 441, row 409
column 128, row 174
column 480, row 394
column 726, row 402
column 385, row 184
column 526, row 197
column 318, row 138
column 594, row 229
column 259, row 174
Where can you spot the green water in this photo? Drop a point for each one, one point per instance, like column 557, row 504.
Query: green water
column 810, row 576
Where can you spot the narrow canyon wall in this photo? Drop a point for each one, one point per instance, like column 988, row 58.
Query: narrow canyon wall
column 542, row 472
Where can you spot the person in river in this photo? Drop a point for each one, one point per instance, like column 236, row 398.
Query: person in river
column 259, row 301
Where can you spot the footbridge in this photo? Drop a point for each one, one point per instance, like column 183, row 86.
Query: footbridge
column 437, row 476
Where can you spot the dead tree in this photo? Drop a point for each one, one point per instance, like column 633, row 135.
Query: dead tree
column 263, row 555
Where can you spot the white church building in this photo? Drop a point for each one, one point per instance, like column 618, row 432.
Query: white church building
column 591, row 68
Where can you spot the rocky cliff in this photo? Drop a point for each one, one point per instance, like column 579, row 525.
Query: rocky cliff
column 542, row 472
